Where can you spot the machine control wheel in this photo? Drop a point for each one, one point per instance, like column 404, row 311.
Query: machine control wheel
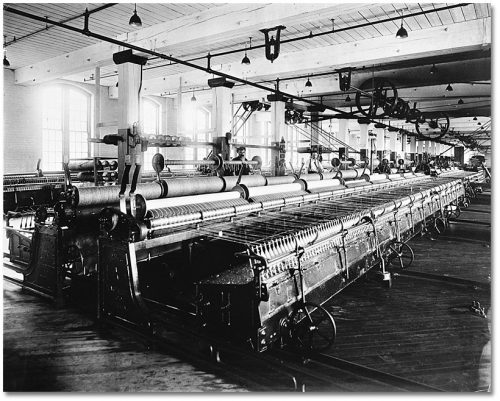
column 439, row 225
column 452, row 211
column 312, row 328
column 401, row 255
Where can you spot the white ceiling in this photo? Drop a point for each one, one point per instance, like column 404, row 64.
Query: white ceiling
column 467, row 69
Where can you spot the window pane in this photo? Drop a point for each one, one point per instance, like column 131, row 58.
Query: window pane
column 151, row 126
column 78, row 124
column 52, row 128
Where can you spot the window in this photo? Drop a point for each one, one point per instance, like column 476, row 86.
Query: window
column 151, row 112
column 65, row 125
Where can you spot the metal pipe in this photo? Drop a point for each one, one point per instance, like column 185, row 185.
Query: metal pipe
column 95, row 10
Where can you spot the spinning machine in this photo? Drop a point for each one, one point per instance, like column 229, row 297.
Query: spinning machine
column 253, row 264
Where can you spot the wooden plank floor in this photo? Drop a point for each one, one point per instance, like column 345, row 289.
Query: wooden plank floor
column 419, row 329
column 58, row 349
column 423, row 330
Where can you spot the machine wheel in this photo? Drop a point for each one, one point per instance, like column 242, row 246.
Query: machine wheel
column 452, row 212
column 439, row 225
column 312, row 328
column 401, row 255
column 376, row 98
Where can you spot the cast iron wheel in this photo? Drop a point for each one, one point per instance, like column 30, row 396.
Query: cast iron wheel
column 401, row 255
column 439, row 225
column 434, row 128
column 376, row 98
column 312, row 328
column 452, row 211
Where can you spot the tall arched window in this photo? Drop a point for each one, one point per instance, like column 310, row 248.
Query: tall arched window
column 151, row 123
column 66, row 125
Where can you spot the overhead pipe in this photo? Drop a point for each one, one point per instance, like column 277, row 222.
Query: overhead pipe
column 94, row 10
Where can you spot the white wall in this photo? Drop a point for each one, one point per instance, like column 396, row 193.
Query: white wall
column 22, row 124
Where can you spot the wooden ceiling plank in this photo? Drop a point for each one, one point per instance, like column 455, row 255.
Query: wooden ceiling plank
column 457, row 15
column 469, row 12
column 457, row 38
column 213, row 25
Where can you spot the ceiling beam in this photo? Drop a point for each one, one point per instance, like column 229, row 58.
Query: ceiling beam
column 211, row 26
column 453, row 39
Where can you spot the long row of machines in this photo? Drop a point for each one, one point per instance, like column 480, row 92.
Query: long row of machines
column 25, row 191
column 236, row 255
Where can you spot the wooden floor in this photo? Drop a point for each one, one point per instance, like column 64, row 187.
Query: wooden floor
column 419, row 329
column 57, row 349
column 423, row 329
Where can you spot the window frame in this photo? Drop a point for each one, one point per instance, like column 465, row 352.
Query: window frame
column 65, row 119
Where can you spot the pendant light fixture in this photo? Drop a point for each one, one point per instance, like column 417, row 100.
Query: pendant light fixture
column 193, row 98
column 433, row 69
column 5, row 61
column 348, row 99
column 308, row 83
column 474, row 119
column 402, row 32
column 134, row 19
column 246, row 60
column 449, row 88
column 460, row 101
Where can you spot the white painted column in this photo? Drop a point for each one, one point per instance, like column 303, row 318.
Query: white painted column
column 420, row 147
column 403, row 146
column 392, row 146
column 129, row 76
column 343, row 130
column 380, row 144
column 221, row 111
column 278, row 131
column 413, row 148
column 97, row 111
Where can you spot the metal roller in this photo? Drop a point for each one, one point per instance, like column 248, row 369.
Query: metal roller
column 251, row 192
column 395, row 177
column 329, row 175
column 248, row 180
column 144, row 205
column 378, row 178
column 310, row 177
column 317, row 186
column 162, row 218
column 349, row 174
column 192, row 186
column 356, row 183
column 91, row 196
column 285, row 179
column 81, row 165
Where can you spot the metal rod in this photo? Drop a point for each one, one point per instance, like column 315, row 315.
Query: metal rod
column 95, row 10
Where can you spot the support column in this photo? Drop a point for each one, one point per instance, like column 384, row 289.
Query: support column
column 343, row 136
column 403, row 146
column 97, row 111
column 413, row 147
column 420, row 150
column 315, row 127
column 278, row 132
column 392, row 146
column 221, row 111
column 129, row 76
column 380, row 143
column 364, row 144
column 222, row 119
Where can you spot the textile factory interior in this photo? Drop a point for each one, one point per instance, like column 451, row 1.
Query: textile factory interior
column 247, row 197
